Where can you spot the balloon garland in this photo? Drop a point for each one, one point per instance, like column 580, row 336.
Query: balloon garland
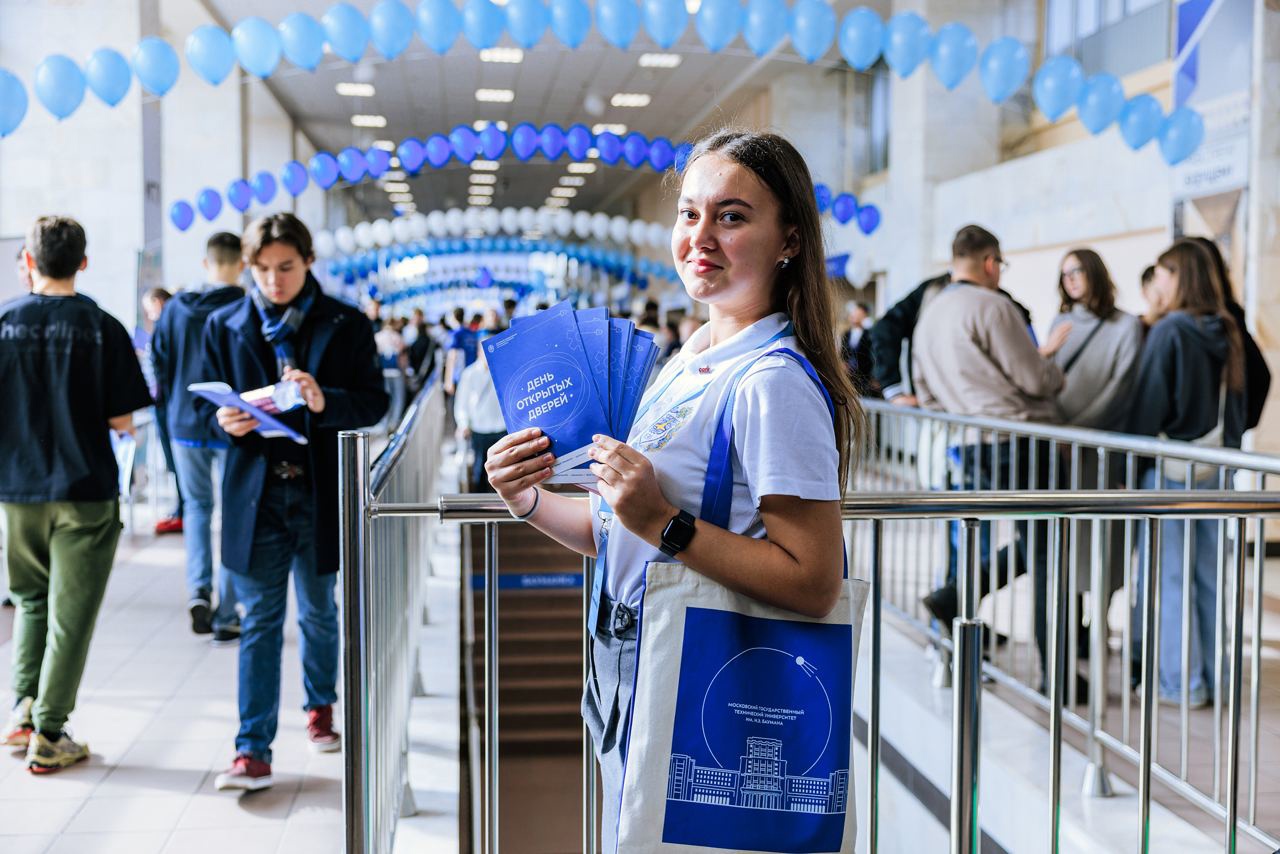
column 905, row 42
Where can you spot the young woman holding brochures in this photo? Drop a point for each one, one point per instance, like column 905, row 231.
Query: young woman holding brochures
column 734, row 468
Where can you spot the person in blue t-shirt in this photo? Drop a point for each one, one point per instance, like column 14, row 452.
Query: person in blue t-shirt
column 460, row 349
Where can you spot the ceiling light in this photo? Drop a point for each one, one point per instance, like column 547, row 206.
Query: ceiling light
column 362, row 121
column 572, row 181
column 630, row 99
column 564, row 192
column 593, row 153
column 553, row 202
column 608, row 128
column 533, row 235
column 395, row 162
column 384, row 144
column 482, row 178
column 393, row 176
column 660, row 60
column 406, row 207
column 480, row 191
column 485, row 165
column 692, row 6
column 496, row 96
column 502, row 54
column 396, row 187
column 482, row 124
column 355, row 90
column 581, row 168
column 479, row 201
column 400, row 197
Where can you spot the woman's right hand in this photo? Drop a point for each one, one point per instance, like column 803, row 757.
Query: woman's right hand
column 236, row 422
column 516, row 464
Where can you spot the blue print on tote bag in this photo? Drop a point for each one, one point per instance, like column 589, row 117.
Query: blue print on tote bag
column 760, row 752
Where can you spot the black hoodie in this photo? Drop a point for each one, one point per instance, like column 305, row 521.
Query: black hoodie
column 1179, row 376
column 177, row 348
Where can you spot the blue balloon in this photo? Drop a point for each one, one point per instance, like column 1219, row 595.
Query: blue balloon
column 661, row 154
column 439, row 23
column 1100, row 103
column 551, row 141
column 412, row 154
column 718, row 23
column 439, row 150
column 953, row 54
column 906, row 42
column 13, row 103
column 861, row 36
column 618, row 21
column 324, row 169
column 1003, row 68
column 493, row 141
column 844, row 208
column 264, row 187
column 59, row 85
column 570, row 21
column 1057, row 86
column 868, row 218
column 181, row 215
column 1180, row 135
column 683, row 151
column 378, row 162
column 635, row 149
column 813, row 28
column 346, row 30
column 302, row 39
column 822, row 195
column 1140, row 120
column 610, row 147
column 240, row 194
column 465, row 142
column 527, row 21
column 665, row 21
column 108, row 75
column 294, row 178
column 483, row 22
column 257, row 46
column 209, row 203
column 524, row 141
column 391, row 27
column 352, row 165
column 155, row 64
column 578, row 139
column 767, row 22
column 210, row 53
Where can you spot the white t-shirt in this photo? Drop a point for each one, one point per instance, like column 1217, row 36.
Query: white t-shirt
column 784, row 441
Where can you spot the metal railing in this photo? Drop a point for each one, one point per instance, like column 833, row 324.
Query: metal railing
column 918, row 449
column 383, row 566
column 967, row 666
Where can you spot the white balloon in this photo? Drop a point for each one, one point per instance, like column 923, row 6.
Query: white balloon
column 618, row 229
column 364, row 235
column 659, row 236
column 600, row 226
column 528, row 219
column 510, row 218
column 419, row 228
column 563, row 222
column 637, row 231
column 546, row 217
column 382, row 233
column 582, row 224
column 324, row 244
column 472, row 218
column 345, row 239
column 402, row 228
column 437, row 224
column 456, row 221
column 490, row 220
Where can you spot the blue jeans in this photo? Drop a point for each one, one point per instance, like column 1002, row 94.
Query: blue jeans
column 282, row 541
column 195, row 482
column 1204, row 592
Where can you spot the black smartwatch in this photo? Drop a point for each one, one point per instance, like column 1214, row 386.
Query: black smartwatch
column 677, row 534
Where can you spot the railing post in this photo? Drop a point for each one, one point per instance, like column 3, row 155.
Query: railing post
column 873, row 712
column 1150, row 592
column 1057, row 673
column 966, row 727
column 491, row 685
column 1097, row 779
column 589, row 842
column 353, row 540
column 1233, row 691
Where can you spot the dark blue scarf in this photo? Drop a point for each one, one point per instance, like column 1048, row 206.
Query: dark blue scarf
column 280, row 323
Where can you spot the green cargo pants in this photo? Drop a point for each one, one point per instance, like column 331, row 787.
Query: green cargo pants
column 59, row 555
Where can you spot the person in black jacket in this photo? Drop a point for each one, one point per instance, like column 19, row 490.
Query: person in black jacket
column 1190, row 387
column 280, row 498
column 177, row 347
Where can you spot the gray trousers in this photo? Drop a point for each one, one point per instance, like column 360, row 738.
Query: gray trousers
column 606, row 708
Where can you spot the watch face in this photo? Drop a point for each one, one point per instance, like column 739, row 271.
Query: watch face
column 678, row 533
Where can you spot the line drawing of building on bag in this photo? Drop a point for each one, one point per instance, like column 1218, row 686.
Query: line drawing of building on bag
column 760, row 783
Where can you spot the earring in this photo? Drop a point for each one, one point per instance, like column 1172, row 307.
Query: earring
column 785, row 261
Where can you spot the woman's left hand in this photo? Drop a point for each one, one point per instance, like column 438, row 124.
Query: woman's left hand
column 630, row 487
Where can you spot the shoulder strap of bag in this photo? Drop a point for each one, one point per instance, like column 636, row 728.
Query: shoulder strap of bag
column 1079, row 351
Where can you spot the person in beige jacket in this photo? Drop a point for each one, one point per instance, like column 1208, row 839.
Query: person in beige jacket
column 975, row 355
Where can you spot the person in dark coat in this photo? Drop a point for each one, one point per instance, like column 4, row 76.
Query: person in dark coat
column 279, row 497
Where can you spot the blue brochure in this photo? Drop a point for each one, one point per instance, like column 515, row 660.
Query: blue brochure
column 620, row 332
column 593, row 325
column 643, row 356
column 268, row 426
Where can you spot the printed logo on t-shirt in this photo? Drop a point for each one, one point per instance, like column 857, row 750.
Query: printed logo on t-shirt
column 662, row 431
column 56, row 331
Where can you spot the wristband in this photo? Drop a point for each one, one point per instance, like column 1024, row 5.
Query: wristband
column 537, row 497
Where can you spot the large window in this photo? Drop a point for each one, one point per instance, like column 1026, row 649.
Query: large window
column 1118, row 36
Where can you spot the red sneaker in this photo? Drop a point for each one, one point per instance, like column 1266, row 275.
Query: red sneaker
column 245, row 774
column 169, row 525
column 320, row 731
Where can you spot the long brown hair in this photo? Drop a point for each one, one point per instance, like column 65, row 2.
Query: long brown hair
column 802, row 288
column 1100, row 291
column 1201, row 293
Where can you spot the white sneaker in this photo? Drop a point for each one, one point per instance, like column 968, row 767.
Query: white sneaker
column 45, row 755
column 17, row 733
